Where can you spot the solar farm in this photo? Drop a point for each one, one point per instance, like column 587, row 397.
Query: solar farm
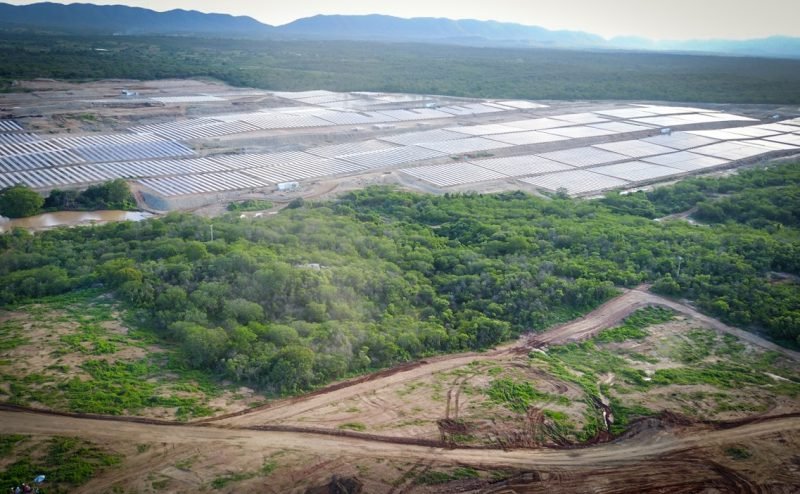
column 184, row 146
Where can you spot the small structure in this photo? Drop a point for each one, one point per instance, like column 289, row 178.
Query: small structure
column 666, row 131
column 288, row 186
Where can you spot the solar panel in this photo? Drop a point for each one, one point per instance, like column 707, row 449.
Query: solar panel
column 663, row 121
column 17, row 138
column 626, row 113
column 468, row 145
column 574, row 181
column 621, row 127
column 452, row 174
column 636, row 171
column 209, row 182
column 732, row 150
column 416, row 114
column 793, row 139
column 537, row 123
column 524, row 138
column 327, row 98
column 18, row 148
column 584, row 156
column 392, row 157
column 262, row 160
column 579, row 132
column 517, row 166
column 671, row 110
column 679, row 140
column 138, row 151
column 303, row 171
column 634, row 148
column 155, row 168
column 302, row 94
column 482, row 130
column 9, row 125
column 335, row 150
column 581, row 118
column 772, row 145
column 471, row 109
column 435, row 135
column 685, row 160
column 266, row 121
column 778, row 127
column 720, row 135
column 39, row 160
column 522, row 104
column 354, row 118
column 752, row 131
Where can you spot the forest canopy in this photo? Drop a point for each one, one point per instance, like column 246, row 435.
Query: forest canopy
column 528, row 73
column 377, row 277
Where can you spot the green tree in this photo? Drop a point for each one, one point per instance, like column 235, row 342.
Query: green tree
column 19, row 201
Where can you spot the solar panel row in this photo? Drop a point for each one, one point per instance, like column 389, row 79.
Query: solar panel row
column 9, row 125
column 209, row 182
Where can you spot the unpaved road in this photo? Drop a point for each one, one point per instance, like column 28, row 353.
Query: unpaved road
column 632, row 449
column 613, row 311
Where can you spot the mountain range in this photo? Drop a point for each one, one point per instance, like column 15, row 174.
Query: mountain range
column 123, row 20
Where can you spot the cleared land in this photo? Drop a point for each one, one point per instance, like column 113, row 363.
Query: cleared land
column 437, row 424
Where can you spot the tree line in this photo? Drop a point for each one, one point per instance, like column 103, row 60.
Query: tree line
column 19, row 201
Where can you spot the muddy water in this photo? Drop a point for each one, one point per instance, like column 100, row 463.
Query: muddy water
column 71, row 218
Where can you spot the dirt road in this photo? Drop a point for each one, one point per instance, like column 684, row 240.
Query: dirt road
column 629, row 450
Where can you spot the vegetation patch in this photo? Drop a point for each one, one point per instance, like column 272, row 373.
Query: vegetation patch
column 433, row 477
column 353, row 426
column 65, row 461
column 249, row 205
column 633, row 328
column 518, row 396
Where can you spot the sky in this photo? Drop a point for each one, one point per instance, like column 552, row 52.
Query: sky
column 655, row 19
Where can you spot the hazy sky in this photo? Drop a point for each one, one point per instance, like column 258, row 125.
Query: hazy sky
column 658, row 19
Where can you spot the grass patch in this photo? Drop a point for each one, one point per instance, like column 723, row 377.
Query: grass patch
column 518, row 396
column 738, row 452
column 433, row 477
column 11, row 335
column 634, row 326
column 268, row 467
column 250, row 205
column 67, row 462
column 353, row 426
column 223, row 480
column 9, row 441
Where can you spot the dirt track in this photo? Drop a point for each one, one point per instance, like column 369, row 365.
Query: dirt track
column 624, row 451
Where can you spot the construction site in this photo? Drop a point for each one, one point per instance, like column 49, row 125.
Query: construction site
column 187, row 144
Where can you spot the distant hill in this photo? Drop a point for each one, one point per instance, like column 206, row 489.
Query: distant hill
column 384, row 27
column 117, row 19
